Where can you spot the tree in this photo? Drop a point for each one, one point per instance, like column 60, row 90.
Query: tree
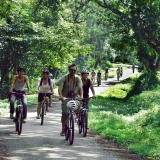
column 138, row 20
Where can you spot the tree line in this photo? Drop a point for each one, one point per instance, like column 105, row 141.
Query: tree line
column 50, row 34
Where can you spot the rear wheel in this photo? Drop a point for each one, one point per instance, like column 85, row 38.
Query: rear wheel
column 85, row 123
column 66, row 132
column 16, row 120
column 42, row 113
column 20, row 119
column 71, row 129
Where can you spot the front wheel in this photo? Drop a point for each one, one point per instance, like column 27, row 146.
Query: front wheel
column 71, row 129
column 42, row 112
column 20, row 119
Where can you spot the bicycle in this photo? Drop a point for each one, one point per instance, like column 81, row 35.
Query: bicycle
column 19, row 113
column 43, row 109
column 69, row 127
column 98, row 81
column 83, row 117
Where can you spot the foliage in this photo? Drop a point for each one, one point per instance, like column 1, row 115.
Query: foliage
column 133, row 123
column 135, row 29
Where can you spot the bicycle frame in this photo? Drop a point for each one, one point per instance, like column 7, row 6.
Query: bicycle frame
column 19, row 113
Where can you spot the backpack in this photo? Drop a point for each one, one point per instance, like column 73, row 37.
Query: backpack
column 49, row 81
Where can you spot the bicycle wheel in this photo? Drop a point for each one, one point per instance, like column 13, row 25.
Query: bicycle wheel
column 66, row 130
column 20, row 119
column 16, row 120
column 80, row 123
column 71, row 129
column 42, row 112
column 85, row 123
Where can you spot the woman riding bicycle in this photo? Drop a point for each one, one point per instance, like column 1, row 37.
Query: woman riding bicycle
column 18, row 85
column 44, row 87
column 87, row 83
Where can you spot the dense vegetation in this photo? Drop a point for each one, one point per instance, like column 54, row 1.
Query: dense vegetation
column 92, row 33
column 133, row 122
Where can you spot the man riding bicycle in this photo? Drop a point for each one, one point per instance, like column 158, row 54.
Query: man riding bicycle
column 70, row 85
column 18, row 85
column 44, row 88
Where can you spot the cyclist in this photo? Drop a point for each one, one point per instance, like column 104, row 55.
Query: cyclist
column 87, row 83
column 106, row 73
column 133, row 68
column 121, row 71
column 99, row 77
column 44, row 86
column 70, row 85
column 18, row 85
column 118, row 73
column 93, row 76
column 50, row 99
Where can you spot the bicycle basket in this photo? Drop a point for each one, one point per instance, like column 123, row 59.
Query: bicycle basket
column 73, row 105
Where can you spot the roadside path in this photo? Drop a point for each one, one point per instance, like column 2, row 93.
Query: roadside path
column 45, row 143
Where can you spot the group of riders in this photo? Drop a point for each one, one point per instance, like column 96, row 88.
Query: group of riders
column 69, row 85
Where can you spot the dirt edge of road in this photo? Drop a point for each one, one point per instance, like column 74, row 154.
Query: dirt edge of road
column 108, row 145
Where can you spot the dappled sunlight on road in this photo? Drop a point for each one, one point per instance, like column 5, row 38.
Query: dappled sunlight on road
column 44, row 142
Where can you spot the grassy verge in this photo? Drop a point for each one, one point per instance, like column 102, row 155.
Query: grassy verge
column 133, row 123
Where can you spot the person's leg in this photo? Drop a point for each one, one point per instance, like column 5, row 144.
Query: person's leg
column 12, row 100
column 38, row 109
column 50, row 100
column 47, row 103
column 40, row 99
column 64, row 116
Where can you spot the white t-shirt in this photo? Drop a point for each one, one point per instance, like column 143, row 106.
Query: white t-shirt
column 44, row 88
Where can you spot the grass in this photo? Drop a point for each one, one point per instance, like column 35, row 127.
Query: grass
column 133, row 122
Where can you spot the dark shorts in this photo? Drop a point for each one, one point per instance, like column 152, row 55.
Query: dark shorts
column 41, row 95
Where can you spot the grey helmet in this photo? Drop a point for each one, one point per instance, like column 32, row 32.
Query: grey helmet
column 85, row 71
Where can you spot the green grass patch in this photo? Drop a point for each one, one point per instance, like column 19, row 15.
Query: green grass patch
column 133, row 122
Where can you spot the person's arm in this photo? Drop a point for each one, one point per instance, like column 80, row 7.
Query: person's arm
column 92, row 88
column 37, row 87
column 27, row 83
column 12, row 83
column 51, row 86
column 80, row 87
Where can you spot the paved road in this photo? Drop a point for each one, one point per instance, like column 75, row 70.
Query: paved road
column 44, row 142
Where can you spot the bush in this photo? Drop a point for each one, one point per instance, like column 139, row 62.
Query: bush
column 146, row 82
column 4, row 89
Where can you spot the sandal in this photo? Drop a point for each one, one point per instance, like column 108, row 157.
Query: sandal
column 62, row 134
column 38, row 117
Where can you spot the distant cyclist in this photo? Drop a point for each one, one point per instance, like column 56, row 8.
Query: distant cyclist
column 44, row 86
column 18, row 85
column 93, row 76
column 69, row 86
column 118, row 73
column 121, row 71
column 133, row 68
column 52, row 80
column 106, row 73
column 99, row 77
column 87, row 84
